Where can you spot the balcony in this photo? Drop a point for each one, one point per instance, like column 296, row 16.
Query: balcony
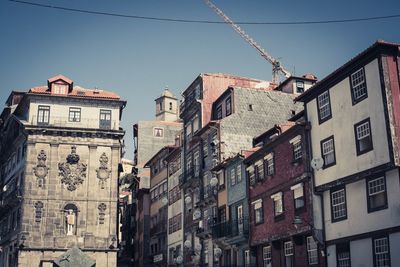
column 204, row 229
column 159, row 228
column 10, row 199
column 190, row 175
column 65, row 122
column 231, row 229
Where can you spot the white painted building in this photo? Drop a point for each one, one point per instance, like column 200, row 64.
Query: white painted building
column 354, row 114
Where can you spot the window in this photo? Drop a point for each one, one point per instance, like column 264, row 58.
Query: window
column 247, row 258
column 74, row 114
column 259, row 170
column 343, row 255
column 251, row 176
column 358, row 86
column 362, row 131
column 233, row 176
column 328, row 151
column 205, row 149
column 60, row 89
column 299, row 87
column 278, row 204
column 312, row 251
column 196, row 162
column 258, row 211
column 43, row 115
column 105, row 118
column 250, row 107
column 269, row 161
column 338, row 204
column 381, row 252
column 228, row 104
column 298, row 195
column 297, row 151
column 170, row 105
column 221, row 179
column 175, row 223
column 158, row 132
column 195, row 123
column 288, row 247
column 267, row 257
column 219, row 112
column 239, row 173
column 324, row 107
column 376, row 190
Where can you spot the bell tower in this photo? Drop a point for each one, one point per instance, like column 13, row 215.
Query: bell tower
column 167, row 107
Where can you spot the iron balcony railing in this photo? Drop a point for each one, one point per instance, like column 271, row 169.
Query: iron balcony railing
column 160, row 227
column 231, row 229
column 55, row 121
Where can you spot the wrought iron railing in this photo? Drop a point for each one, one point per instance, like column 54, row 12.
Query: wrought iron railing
column 231, row 228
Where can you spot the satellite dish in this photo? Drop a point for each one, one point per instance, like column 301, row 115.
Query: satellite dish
column 164, row 200
column 179, row 259
column 188, row 200
column 317, row 163
column 196, row 214
column 187, row 244
column 197, row 247
column 214, row 181
column 5, row 188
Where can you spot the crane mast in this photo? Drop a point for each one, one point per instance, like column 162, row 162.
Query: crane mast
column 276, row 66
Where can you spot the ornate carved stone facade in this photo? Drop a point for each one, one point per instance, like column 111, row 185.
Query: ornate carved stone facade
column 63, row 203
column 103, row 173
column 72, row 172
column 41, row 170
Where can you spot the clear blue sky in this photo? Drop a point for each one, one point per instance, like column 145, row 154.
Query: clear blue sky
column 138, row 58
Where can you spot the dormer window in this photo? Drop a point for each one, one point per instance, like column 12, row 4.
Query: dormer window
column 60, row 85
column 60, row 89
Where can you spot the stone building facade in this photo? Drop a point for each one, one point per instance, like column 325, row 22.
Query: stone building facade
column 68, row 187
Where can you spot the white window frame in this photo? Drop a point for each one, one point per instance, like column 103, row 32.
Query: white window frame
column 339, row 205
column 328, row 150
column 324, row 106
column 267, row 256
column 381, row 252
column 239, row 173
column 270, row 164
column 258, row 211
column 312, row 250
column 298, row 192
column 278, row 203
column 358, row 85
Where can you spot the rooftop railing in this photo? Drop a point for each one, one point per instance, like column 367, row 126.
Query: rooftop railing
column 55, row 121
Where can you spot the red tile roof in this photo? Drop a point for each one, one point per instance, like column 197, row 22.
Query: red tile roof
column 74, row 91
column 78, row 92
column 59, row 77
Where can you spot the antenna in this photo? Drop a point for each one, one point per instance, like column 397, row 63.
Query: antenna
column 276, row 65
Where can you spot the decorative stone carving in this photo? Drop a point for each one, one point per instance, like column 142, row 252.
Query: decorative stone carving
column 102, row 208
column 38, row 211
column 41, row 170
column 72, row 172
column 103, row 173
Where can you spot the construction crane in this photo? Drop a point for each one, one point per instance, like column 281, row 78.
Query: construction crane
column 276, row 65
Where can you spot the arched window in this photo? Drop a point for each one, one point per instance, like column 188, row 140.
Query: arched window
column 170, row 105
column 70, row 218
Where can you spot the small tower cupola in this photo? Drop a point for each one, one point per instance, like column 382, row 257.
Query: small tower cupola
column 60, row 85
column 167, row 106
